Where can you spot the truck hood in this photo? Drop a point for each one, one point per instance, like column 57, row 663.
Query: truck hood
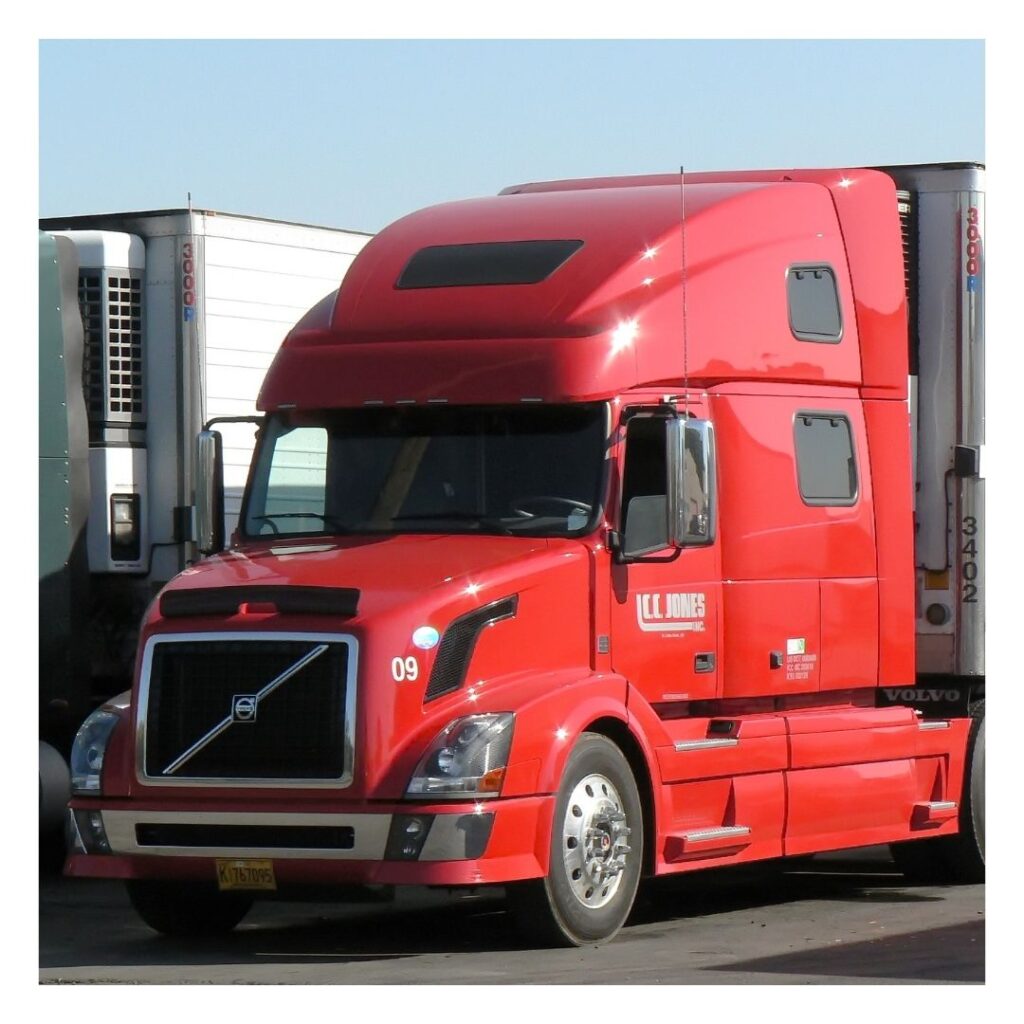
column 391, row 588
column 388, row 572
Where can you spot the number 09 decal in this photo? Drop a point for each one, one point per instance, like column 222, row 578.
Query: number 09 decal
column 403, row 669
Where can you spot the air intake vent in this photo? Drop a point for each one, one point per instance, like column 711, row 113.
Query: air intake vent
column 295, row 837
column 458, row 643
column 111, row 307
column 908, row 229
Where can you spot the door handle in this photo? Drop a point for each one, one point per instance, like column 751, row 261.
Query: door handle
column 704, row 662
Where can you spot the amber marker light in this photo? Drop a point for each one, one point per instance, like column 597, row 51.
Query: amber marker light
column 491, row 782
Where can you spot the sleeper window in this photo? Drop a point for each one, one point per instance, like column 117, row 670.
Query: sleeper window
column 826, row 466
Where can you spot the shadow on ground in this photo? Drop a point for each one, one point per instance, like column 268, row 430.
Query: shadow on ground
column 908, row 957
column 720, row 890
column 95, row 916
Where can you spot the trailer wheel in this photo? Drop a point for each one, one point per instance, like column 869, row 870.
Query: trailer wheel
column 596, row 852
column 958, row 859
column 187, row 908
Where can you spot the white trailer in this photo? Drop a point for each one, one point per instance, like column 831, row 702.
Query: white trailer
column 183, row 311
column 942, row 208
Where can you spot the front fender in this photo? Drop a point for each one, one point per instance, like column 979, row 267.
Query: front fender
column 548, row 728
column 551, row 721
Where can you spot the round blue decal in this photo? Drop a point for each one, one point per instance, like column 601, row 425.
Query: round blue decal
column 426, row 637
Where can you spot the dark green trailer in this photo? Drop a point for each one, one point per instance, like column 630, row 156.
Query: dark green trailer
column 64, row 687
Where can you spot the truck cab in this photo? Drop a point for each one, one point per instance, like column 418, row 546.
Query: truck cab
column 578, row 545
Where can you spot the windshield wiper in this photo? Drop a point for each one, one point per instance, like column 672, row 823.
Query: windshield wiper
column 335, row 524
column 487, row 522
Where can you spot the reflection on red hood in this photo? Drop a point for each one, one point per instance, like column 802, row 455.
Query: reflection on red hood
column 388, row 571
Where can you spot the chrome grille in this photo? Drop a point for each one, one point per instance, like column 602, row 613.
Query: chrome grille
column 243, row 708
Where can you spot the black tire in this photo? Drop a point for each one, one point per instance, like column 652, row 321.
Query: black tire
column 959, row 859
column 586, row 896
column 187, row 908
column 52, row 851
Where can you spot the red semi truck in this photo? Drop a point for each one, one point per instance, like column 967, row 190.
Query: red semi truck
column 597, row 530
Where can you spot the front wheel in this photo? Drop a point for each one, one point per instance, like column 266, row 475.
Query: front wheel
column 187, row 908
column 596, row 852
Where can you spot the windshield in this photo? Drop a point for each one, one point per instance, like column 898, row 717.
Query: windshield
column 524, row 469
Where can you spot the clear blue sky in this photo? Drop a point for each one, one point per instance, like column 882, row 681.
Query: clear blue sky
column 353, row 133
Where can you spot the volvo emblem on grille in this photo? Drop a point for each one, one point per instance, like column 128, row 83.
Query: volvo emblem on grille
column 243, row 707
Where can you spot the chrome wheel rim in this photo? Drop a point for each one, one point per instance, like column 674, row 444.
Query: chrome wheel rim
column 594, row 841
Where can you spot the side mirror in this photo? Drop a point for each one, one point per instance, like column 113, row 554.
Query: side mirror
column 209, row 469
column 690, row 447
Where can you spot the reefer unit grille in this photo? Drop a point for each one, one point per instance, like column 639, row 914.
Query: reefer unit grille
column 124, row 352
column 90, row 302
column 908, row 230
column 237, row 709
column 111, row 308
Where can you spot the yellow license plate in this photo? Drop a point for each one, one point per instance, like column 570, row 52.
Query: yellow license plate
column 246, row 874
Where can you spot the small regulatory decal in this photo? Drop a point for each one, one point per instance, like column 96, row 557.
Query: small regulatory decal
column 662, row 612
column 799, row 664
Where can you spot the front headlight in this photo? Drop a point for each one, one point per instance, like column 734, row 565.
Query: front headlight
column 87, row 752
column 467, row 758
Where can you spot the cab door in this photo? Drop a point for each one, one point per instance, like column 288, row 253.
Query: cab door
column 666, row 600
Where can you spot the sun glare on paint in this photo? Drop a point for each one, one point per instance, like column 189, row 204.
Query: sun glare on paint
column 624, row 335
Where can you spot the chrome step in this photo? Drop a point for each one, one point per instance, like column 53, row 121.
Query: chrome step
column 705, row 835
column 723, row 741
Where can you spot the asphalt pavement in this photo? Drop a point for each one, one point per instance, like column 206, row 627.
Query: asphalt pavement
column 845, row 918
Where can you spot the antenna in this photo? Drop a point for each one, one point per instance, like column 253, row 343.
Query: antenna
column 682, row 242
